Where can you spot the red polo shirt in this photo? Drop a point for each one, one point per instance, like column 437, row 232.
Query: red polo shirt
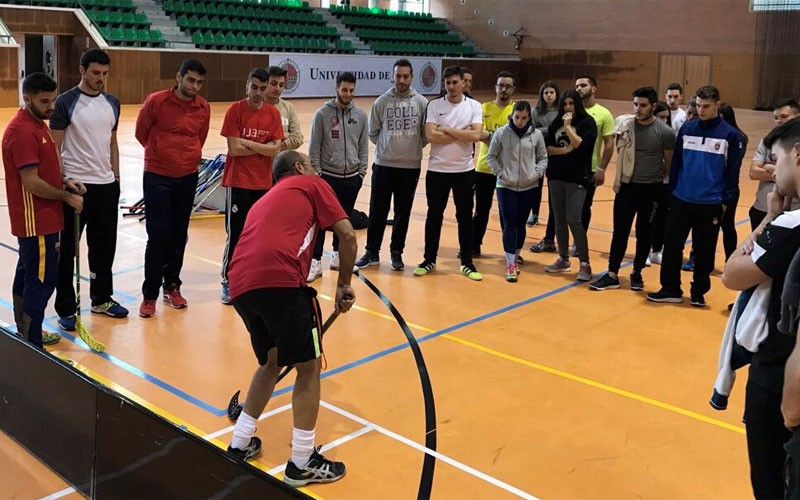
column 261, row 125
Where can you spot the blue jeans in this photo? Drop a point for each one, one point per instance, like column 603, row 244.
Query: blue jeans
column 514, row 209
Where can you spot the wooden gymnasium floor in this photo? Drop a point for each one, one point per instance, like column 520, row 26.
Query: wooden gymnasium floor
column 542, row 388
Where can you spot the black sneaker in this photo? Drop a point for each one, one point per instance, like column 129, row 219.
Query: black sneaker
column 253, row 448
column 697, row 300
column 368, row 259
column 543, row 246
column 637, row 283
column 397, row 262
column 318, row 470
column 606, row 282
column 662, row 296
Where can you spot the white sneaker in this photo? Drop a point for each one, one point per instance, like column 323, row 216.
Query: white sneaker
column 335, row 261
column 648, row 262
column 315, row 271
column 655, row 257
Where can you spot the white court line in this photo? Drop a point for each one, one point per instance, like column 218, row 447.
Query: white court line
column 332, row 444
column 59, row 494
column 458, row 465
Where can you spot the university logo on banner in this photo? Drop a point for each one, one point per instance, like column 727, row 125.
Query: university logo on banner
column 429, row 78
column 292, row 75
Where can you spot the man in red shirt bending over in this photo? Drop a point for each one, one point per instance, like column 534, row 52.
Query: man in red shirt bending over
column 172, row 126
column 254, row 132
column 268, row 288
column 35, row 190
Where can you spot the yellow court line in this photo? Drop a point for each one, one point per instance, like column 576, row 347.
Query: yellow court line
column 598, row 385
column 559, row 373
column 162, row 412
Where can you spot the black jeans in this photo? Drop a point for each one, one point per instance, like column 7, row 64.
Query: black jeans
column 437, row 187
column 484, row 196
column 388, row 183
column 632, row 200
column 168, row 205
column 346, row 190
column 703, row 221
column 766, row 436
column 238, row 204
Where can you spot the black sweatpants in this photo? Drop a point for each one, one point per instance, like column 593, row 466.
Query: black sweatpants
column 659, row 222
column 728, row 226
column 99, row 217
column 484, row 196
column 346, row 190
column 766, row 436
column 168, row 205
column 388, row 183
column 438, row 186
column 237, row 206
column 703, row 222
column 632, row 200
column 34, row 282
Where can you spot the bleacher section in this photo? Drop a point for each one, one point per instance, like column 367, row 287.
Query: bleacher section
column 117, row 20
column 391, row 32
column 271, row 25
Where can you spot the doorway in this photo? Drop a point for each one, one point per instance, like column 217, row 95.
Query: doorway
column 691, row 71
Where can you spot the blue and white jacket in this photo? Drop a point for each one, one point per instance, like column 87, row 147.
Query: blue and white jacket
column 706, row 161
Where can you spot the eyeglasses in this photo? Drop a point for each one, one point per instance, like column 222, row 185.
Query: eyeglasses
column 504, row 86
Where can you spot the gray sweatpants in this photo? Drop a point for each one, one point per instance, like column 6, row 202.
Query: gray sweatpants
column 567, row 199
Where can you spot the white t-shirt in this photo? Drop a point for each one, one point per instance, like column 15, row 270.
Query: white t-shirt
column 677, row 118
column 457, row 156
column 87, row 122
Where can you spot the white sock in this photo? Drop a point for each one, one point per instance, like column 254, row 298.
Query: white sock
column 511, row 259
column 302, row 446
column 244, row 430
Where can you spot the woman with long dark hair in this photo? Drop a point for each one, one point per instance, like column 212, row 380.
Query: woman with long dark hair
column 728, row 222
column 544, row 113
column 570, row 144
column 518, row 158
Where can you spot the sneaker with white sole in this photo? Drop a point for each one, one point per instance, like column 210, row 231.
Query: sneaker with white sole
column 655, row 257
column 252, row 449
column 559, row 266
column 511, row 273
column 315, row 271
column 111, row 308
column 425, row 267
column 368, row 259
column 606, row 282
column 585, row 272
column 318, row 470
column 664, row 297
column 470, row 272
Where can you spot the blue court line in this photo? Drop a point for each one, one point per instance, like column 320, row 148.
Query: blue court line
column 132, row 369
column 125, row 296
column 329, row 373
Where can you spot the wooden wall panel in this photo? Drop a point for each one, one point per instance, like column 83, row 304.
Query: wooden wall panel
column 9, row 77
column 21, row 19
column 734, row 75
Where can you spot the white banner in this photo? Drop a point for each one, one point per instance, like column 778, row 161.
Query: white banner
column 315, row 75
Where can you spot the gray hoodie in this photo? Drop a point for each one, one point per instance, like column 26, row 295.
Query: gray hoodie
column 518, row 162
column 339, row 144
column 397, row 128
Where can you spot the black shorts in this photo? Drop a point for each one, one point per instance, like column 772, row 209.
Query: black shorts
column 286, row 318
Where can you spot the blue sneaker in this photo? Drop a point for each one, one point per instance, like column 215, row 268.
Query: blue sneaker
column 111, row 308
column 689, row 265
column 67, row 322
column 225, row 295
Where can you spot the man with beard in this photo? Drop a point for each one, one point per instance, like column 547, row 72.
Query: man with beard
column 495, row 115
column 644, row 152
column 338, row 150
column 172, row 126
column 84, row 127
column 35, row 190
column 397, row 128
column 254, row 133
column 765, row 257
column 587, row 88
column 293, row 136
